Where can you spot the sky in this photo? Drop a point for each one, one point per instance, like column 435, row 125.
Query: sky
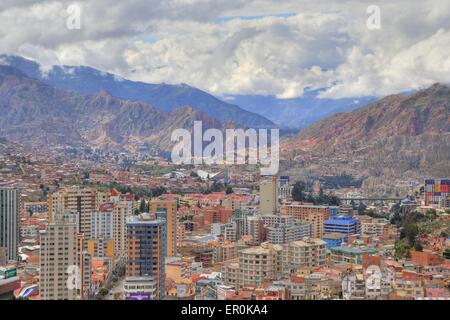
column 240, row 47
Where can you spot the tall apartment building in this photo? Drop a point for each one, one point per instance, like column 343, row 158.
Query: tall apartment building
column 56, row 204
column 258, row 264
column 100, row 248
column 230, row 231
column 268, row 196
column 76, row 199
column 102, row 225
column 283, row 229
column 121, row 211
column 59, row 260
column 3, row 256
column 157, row 207
column 374, row 227
column 254, row 227
column 9, row 222
column 306, row 253
column 101, row 242
column 437, row 193
column 238, row 226
column 146, row 241
column 181, row 232
column 315, row 215
column 85, row 269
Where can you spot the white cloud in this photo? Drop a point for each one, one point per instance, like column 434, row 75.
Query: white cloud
column 320, row 44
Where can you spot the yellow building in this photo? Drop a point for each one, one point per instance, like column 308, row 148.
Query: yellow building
column 315, row 215
column 177, row 270
column 101, row 248
column 182, row 290
column 181, row 232
column 169, row 210
column 120, row 212
column 74, row 199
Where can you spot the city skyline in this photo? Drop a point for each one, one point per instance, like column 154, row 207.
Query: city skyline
column 224, row 158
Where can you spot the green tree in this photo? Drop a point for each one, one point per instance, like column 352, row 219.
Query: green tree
column 217, row 187
column 447, row 253
column 431, row 214
column 143, row 206
column 361, row 208
column 402, row 248
column 418, row 246
column 396, row 212
column 298, row 191
column 158, row 191
column 311, row 199
column 410, row 232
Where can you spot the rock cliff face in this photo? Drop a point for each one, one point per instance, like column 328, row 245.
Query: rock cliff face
column 396, row 137
column 34, row 112
column 163, row 97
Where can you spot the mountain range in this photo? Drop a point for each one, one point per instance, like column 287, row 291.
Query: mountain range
column 400, row 136
column 164, row 97
column 298, row 113
column 403, row 137
column 37, row 113
column 248, row 110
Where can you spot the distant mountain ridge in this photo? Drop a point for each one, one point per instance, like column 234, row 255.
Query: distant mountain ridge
column 163, row 97
column 36, row 113
column 399, row 136
column 298, row 113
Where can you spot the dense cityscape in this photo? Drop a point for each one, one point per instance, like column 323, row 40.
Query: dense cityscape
column 220, row 159
column 81, row 229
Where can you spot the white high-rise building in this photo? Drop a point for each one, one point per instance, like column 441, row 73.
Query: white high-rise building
column 102, row 225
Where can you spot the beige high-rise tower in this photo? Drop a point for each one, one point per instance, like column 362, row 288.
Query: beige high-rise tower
column 75, row 199
column 59, row 259
column 120, row 213
column 268, row 196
